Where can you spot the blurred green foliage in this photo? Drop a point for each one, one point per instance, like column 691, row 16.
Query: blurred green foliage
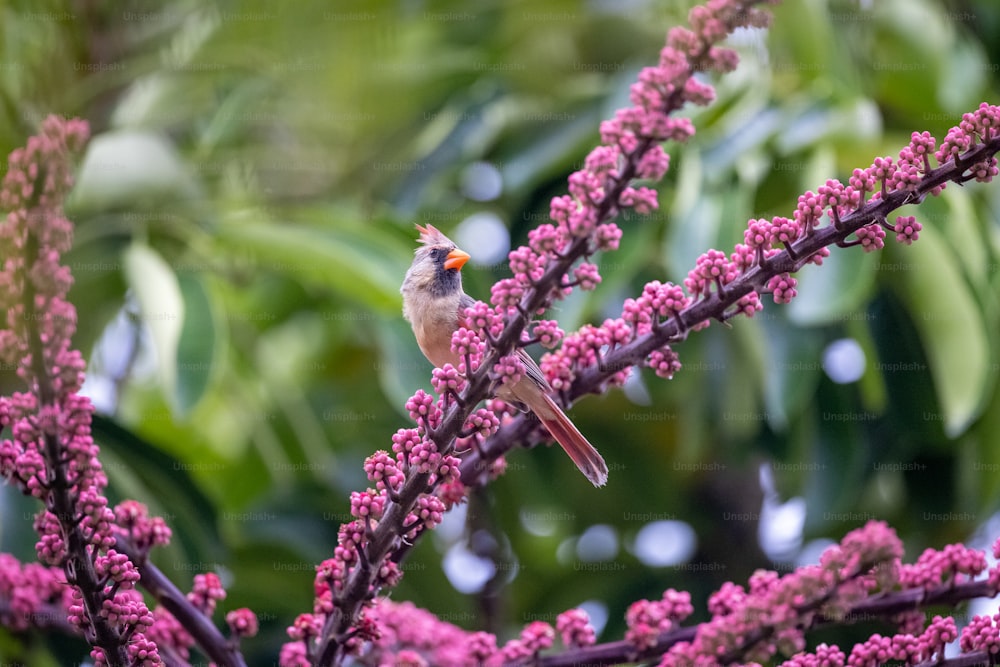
column 245, row 215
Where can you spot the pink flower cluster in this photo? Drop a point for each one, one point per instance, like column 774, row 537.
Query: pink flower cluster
column 509, row 370
column 34, row 595
column 759, row 622
column 647, row 620
column 979, row 125
column 52, row 455
column 414, row 452
column 132, row 520
column 404, row 634
column 631, row 148
column 764, row 239
column 584, row 349
column 823, row 656
column 771, row 615
column 905, row 648
column 902, row 648
column 955, row 563
column 205, row 594
column 469, row 345
column 573, row 625
column 981, row 634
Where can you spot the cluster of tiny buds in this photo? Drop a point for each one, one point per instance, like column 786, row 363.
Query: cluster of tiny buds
column 483, row 422
column 28, row 588
column 631, row 148
column 770, row 600
column 424, row 410
column 118, row 568
column 934, row 567
column 480, row 317
column 647, row 619
column 509, row 370
column 573, row 625
column 447, row 381
column 401, row 633
column 469, row 346
column 981, row 634
column 535, row 638
column 769, row 603
column 414, row 453
column 52, row 437
column 905, row 648
column 242, row 623
column 40, row 173
column 132, row 520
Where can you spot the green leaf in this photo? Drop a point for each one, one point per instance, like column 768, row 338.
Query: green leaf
column 549, row 151
column 985, row 465
column 197, row 345
column 125, row 167
column 401, row 368
column 955, row 215
column 950, row 325
column 161, row 304
column 871, row 387
column 351, row 260
column 695, row 218
column 793, row 370
column 138, row 469
column 741, row 409
column 835, row 291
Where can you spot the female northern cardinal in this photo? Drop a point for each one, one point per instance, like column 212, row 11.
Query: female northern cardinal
column 434, row 303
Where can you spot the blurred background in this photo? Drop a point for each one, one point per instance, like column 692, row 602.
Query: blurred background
column 244, row 217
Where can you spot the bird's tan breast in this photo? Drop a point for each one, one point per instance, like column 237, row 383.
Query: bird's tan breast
column 433, row 321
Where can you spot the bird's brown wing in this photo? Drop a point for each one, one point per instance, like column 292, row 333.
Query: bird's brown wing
column 533, row 372
column 532, row 393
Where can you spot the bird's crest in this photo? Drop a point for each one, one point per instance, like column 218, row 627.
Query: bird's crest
column 430, row 235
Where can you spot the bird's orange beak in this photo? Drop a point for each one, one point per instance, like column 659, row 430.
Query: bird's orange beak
column 456, row 259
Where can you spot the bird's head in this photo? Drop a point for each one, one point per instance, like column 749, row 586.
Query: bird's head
column 436, row 264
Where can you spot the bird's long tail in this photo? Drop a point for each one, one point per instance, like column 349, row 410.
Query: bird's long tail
column 586, row 458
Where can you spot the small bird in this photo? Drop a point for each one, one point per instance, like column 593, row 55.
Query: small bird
column 434, row 304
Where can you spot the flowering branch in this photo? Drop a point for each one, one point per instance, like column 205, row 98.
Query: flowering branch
column 97, row 555
column 52, row 456
column 623, row 651
column 885, row 606
column 414, row 490
column 186, row 613
column 861, row 579
column 967, row 153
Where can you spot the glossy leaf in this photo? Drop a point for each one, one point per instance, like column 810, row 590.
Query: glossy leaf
column 196, row 348
column 951, row 326
column 123, row 167
column 350, row 261
column 792, row 370
column 137, row 468
column 161, row 305
column 836, row 290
